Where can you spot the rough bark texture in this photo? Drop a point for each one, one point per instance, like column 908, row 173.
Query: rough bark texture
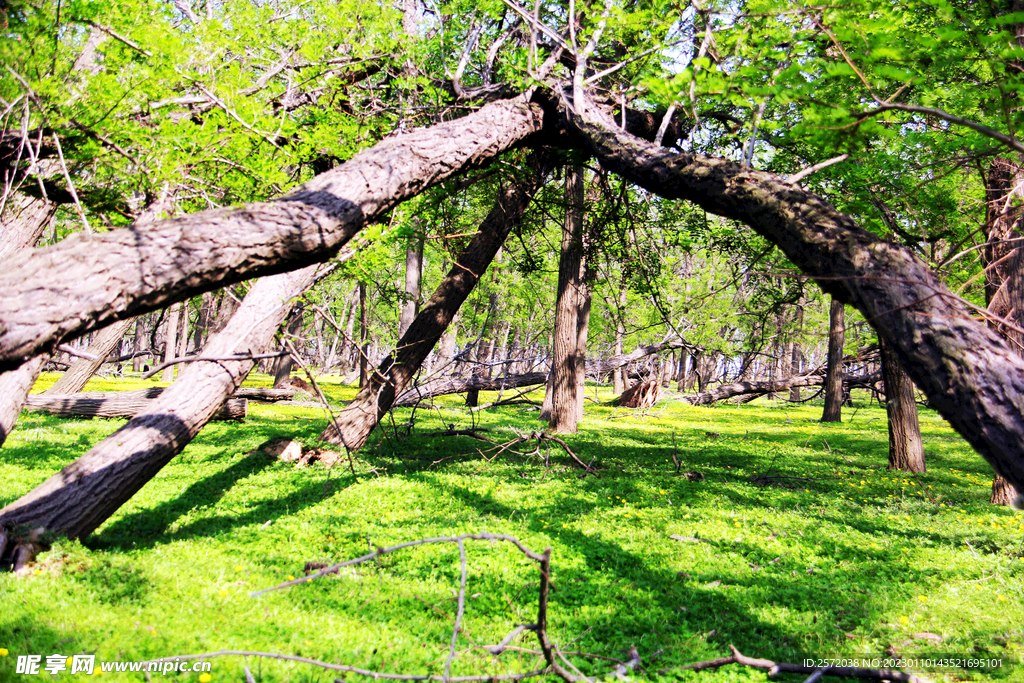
column 565, row 394
column 81, row 496
column 123, row 273
column 968, row 372
column 81, row 371
column 833, row 411
column 906, row 452
column 117, row 404
column 1004, row 269
column 354, row 424
column 23, row 221
column 171, row 341
column 283, row 370
column 641, row 395
column 14, row 387
column 413, row 275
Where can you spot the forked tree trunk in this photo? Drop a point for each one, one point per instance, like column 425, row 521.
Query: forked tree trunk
column 395, row 374
column 568, row 356
column 833, row 411
column 85, row 493
column 969, row 373
column 81, row 371
column 906, row 452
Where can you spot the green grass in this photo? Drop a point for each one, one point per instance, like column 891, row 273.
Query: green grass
column 849, row 560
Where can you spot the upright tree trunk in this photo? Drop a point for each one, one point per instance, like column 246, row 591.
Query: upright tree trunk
column 283, row 371
column 170, row 341
column 565, row 391
column 396, row 372
column 413, row 276
column 77, row 376
column 1004, row 269
column 833, row 411
column 85, row 493
column 906, row 452
column 363, row 350
column 137, row 348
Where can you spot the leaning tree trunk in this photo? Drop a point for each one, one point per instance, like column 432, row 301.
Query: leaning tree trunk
column 906, row 452
column 22, row 223
column 833, row 411
column 565, row 390
column 81, row 371
column 85, row 493
column 967, row 371
column 358, row 419
column 1004, row 269
column 84, row 283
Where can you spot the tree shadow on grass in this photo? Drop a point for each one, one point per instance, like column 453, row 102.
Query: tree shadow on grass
column 149, row 527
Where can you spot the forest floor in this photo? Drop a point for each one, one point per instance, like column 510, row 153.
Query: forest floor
column 796, row 544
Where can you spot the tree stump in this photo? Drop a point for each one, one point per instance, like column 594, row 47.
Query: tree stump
column 641, row 395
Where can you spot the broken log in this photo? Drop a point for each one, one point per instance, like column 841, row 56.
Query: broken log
column 118, row 404
column 641, row 395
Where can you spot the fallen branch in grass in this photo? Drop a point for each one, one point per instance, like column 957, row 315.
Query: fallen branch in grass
column 748, row 391
column 509, row 446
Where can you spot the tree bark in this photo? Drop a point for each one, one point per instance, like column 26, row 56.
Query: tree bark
column 81, row 371
column 395, row 373
column 123, row 273
column 969, row 373
column 85, row 493
column 906, row 452
column 363, row 350
column 283, row 371
column 171, row 341
column 117, row 404
column 565, row 366
column 1004, row 269
column 14, row 387
column 751, row 390
column 833, row 411
column 413, row 276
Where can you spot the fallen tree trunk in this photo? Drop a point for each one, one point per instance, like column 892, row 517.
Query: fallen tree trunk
column 117, row 404
column 969, row 373
column 80, row 497
column 355, row 423
column 751, row 390
column 123, row 273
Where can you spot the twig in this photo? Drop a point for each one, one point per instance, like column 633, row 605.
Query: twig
column 193, row 359
column 460, row 611
column 800, row 175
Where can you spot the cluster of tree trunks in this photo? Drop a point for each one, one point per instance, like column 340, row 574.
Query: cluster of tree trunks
column 377, row 395
column 967, row 370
